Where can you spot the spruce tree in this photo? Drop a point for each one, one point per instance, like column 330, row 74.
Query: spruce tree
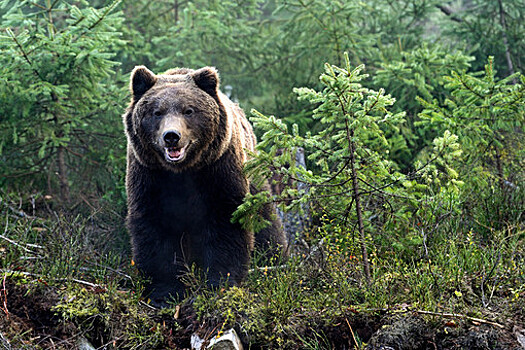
column 352, row 184
column 488, row 115
column 57, row 104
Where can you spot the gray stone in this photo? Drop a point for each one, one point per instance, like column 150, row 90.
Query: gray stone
column 520, row 336
column 228, row 341
column 4, row 343
column 84, row 344
column 405, row 333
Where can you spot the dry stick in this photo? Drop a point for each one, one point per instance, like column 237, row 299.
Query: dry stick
column 17, row 244
column 86, row 283
column 475, row 319
column 485, row 278
column 147, row 305
column 10, row 240
column 268, row 268
column 4, row 297
column 112, row 270
column 25, row 273
column 351, row 331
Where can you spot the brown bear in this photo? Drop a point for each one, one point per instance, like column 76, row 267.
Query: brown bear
column 187, row 143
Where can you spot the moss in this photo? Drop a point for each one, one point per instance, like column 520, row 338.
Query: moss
column 110, row 315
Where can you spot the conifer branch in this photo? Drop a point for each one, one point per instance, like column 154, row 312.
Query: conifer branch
column 104, row 15
column 24, row 54
column 447, row 10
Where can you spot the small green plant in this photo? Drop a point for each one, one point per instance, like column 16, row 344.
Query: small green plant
column 488, row 115
column 108, row 315
column 353, row 182
column 416, row 72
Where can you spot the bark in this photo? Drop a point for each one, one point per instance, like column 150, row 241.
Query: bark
column 499, row 169
column 505, row 39
column 357, row 199
column 62, row 174
column 294, row 222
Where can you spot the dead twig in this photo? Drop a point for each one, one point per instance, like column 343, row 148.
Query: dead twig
column 11, row 241
column 3, row 294
column 17, row 244
column 267, row 268
column 351, row 331
column 86, row 283
column 147, row 305
column 450, row 315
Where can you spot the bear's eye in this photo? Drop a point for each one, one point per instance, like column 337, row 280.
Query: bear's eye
column 157, row 113
column 188, row 111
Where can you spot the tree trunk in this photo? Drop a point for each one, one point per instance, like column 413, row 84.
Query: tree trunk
column 62, row 174
column 357, row 199
column 176, row 11
column 499, row 169
column 505, row 40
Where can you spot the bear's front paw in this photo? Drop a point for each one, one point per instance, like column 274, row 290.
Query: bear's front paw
column 160, row 296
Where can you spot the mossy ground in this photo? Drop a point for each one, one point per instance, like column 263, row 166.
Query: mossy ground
column 69, row 279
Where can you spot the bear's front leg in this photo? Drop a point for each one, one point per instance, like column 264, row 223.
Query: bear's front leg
column 225, row 254
column 159, row 259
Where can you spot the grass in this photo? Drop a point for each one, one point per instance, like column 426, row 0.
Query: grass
column 68, row 278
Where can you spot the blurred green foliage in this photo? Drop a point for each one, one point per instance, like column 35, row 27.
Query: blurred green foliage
column 432, row 134
column 65, row 67
column 58, row 100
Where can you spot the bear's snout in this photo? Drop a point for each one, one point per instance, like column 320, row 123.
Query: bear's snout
column 171, row 138
column 174, row 138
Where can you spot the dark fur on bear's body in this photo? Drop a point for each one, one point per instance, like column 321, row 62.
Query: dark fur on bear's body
column 181, row 194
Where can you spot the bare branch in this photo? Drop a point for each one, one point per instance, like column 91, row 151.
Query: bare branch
column 450, row 315
column 447, row 10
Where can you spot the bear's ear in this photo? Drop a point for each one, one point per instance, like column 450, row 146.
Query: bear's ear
column 142, row 79
column 207, row 79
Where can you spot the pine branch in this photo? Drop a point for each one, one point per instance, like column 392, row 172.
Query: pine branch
column 447, row 10
column 104, row 15
column 24, row 54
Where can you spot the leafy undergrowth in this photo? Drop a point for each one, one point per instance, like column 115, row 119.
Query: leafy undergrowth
column 63, row 285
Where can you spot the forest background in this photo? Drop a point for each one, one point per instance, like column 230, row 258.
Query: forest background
column 411, row 116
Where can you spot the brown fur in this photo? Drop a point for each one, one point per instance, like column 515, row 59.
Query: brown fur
column 181, row 194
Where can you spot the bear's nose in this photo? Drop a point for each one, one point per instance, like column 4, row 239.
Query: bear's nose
column 171, row 138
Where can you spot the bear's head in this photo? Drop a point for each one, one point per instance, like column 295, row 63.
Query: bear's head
column 176, row 120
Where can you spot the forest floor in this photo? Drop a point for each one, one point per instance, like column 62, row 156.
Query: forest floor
column 30, row 321
column 62, row 286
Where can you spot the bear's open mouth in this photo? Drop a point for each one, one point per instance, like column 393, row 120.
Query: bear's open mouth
column 175, row 154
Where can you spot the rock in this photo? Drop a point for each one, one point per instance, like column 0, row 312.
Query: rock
column 479, row 338
column 406, row 333
column 228, row 341
column 84, row 344
column 520, row 335
column 294, row 223
column 4, row 343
